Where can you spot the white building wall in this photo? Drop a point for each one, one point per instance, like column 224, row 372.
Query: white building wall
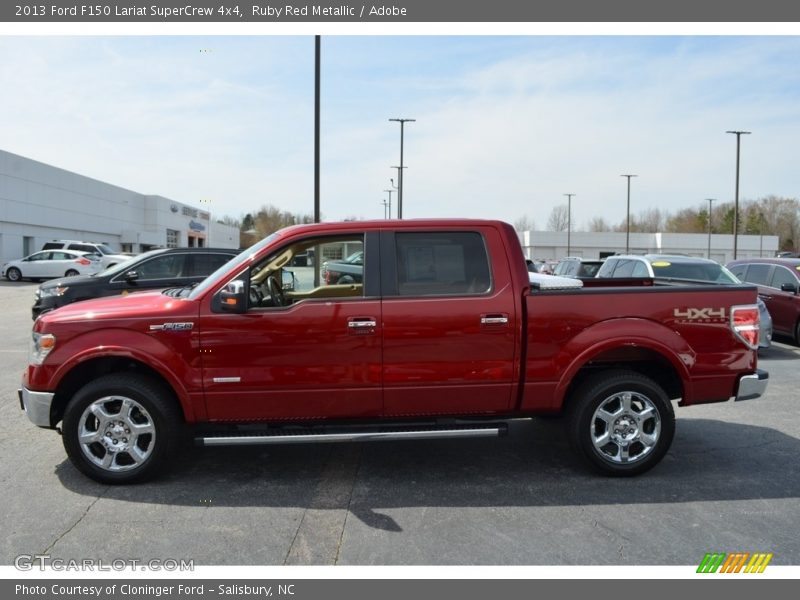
column 553, row 244
column 42, row 202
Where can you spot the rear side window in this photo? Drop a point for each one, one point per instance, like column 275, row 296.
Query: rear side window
column 52, row 245
column 441, row 264
column 82, row 247
column 758, row 274
column 625, row 268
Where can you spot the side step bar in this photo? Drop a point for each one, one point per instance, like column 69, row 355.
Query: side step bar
column 354, row 436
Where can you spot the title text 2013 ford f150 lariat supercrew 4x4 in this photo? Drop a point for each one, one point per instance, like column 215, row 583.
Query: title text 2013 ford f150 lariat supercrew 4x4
column 445, row 336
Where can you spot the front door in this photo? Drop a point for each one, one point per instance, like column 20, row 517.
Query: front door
column 304, row 348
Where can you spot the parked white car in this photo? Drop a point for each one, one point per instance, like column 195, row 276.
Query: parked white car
column 48, row 264
column 108, row 257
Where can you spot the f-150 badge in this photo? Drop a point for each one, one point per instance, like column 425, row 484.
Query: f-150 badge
column 172, row 327
column 699, row 314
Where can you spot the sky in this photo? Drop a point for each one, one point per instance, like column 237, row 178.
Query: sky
column 505, row 125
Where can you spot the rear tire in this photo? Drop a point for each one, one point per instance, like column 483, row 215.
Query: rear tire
column 14, row 274
column 621, row 422
column 122, row 428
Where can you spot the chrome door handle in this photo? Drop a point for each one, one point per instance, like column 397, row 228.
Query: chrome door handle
column 494, row 320
column 362, row 324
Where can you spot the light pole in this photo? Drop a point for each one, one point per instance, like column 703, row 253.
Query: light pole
column 628, row 218
column 569, row 222
column 710, row 201
column 385, row 205
column 207, row 202
column 400, row 175
column 738, row 135
column 390, row 202
column 317, row 68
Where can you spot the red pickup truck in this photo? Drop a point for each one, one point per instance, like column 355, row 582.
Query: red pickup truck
column 444, row 336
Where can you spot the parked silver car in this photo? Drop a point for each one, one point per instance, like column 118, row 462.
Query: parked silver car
column 674, row 269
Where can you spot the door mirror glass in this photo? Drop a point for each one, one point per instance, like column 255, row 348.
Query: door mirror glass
column 789, row 287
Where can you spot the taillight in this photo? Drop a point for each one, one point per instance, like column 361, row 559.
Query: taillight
column 83, row 261
column 745, row 323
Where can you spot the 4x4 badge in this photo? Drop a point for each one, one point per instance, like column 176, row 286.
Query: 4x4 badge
column 172, row 327
column 693, row 314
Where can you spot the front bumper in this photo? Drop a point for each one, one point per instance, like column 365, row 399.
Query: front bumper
column 36, row 405
column 752, row 386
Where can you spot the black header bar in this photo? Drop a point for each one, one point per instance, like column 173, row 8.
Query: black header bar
column 401, row 11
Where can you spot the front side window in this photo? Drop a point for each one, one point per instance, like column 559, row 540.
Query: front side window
column 336, row 272
column 758, row 274
column 781, row 276
column 440, row 264
column 162, row 267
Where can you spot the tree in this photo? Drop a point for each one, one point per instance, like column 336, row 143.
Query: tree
column 597, row 224
column 524, row 223
column 558, row 218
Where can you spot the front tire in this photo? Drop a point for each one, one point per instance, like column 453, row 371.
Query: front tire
column 121, row 428
column 14, row 274
column 71, row 273
column 620, row 422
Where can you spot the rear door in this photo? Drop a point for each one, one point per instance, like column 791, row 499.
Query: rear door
column 784, row 307
column 449, row 322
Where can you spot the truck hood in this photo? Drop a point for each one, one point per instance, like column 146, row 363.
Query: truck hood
column 139, row 305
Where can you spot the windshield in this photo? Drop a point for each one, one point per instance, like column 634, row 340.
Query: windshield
column 710, row 272
column 236, row 262
column 126, row 264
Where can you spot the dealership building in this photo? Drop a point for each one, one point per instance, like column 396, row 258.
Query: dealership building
column 40, row 202
column 598, row 245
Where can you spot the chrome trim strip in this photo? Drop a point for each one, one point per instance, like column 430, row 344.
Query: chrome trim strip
column 349, row 437
column 752, row 386
column 37, row 406
column 227, row 379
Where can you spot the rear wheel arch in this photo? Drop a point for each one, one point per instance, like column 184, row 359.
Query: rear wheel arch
column 620, row 422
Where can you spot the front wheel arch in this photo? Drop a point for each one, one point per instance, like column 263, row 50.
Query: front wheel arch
column 122, row 428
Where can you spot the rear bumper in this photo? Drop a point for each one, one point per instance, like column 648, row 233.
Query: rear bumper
column 36, row 405
column 752, row 386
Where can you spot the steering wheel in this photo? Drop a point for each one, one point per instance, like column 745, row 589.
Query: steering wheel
column 255, row 296
column 275, row 291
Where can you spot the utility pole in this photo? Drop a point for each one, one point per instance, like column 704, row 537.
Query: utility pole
column 569, row 222
column 317, row 54
column 628, row 218
column 390, row 202
column 710, row 200
column 738, row 135
column 401, row 167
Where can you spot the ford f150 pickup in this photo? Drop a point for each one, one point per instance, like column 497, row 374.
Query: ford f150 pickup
column 445, row 336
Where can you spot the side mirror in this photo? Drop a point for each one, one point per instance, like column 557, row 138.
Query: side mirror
column 789, row 287
column 131, row 276
column 232, row 297
column 289, row 281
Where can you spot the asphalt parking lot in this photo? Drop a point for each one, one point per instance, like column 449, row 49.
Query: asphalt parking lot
column 730, row 483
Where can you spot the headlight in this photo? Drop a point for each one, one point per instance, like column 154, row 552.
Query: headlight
column 41, row 345
column 47, row 292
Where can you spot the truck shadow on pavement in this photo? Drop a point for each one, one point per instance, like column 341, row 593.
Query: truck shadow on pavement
column 710, row 460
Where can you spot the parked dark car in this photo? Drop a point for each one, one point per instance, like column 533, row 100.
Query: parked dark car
column 157, row 269
column 349, row 270
column 778, row 281
column 574, row 266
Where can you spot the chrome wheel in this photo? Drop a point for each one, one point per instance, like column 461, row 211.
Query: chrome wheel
column 116, row 433
column 625, row 427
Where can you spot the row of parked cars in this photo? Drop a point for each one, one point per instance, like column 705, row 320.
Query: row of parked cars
column 777, row 279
